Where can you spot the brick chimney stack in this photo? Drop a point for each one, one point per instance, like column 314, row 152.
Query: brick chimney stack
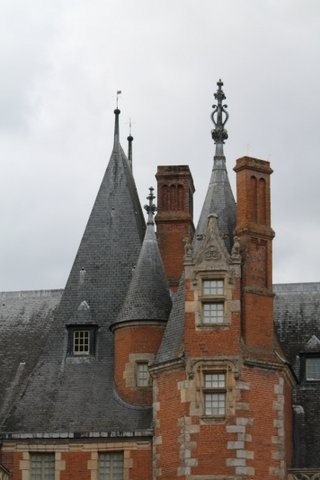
column 255, row 235
column 174, row 218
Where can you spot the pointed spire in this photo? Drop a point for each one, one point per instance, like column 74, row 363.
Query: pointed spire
column 151, row 208
column 219, row 199
column 116, row 122
column 148, row 297
column 219, row 133
column 130, row 140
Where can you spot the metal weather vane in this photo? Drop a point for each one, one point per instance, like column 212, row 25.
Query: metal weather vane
column 117, row 98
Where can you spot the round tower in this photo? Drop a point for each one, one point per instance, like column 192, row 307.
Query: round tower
column 139, row 327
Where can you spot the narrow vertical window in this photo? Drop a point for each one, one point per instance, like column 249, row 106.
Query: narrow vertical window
column 42, row 466
column 142, row 373
column 213, row 301
column 214, row 394
column 111, row 466
column 81, row 342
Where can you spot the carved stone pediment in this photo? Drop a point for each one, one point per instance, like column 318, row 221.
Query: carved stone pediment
column 212, row 253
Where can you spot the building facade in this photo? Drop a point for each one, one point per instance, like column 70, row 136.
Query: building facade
column 169, row 354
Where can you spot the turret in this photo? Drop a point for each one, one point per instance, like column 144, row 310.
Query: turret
column 139, row 327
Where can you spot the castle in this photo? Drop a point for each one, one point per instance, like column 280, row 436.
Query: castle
column 169, row 355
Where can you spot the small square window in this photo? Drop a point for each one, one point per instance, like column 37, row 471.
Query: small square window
column 215, row 394
column 143, row 376
column 213, row 287
column 213, row 312
column 215, row 404
column 81, row 342
column 312, row 369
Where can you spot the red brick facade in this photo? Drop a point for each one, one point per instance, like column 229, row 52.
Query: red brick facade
column 222, row 406
column 133, row 345
column 174, row 218
column 252, row 439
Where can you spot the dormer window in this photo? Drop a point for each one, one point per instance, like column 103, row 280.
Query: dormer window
column 312, row 369
column 81, row 342
column 82, row 332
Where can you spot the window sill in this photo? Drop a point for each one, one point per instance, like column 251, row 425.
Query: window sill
column 210, row 420
column 213, row 325
column 80, row 359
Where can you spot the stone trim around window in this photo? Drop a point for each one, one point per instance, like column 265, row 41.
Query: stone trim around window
column 213, row 384
column 213, row 295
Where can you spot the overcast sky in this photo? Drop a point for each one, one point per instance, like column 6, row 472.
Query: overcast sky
column 61, row 65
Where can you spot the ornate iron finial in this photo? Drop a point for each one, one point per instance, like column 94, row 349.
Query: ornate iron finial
column 219, row 133
column 151, row 208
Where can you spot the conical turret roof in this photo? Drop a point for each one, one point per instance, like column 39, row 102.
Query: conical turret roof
column 219, row 198
column 148, row 297
column 58, row 396
column 111, row 242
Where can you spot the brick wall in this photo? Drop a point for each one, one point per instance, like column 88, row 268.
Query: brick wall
column 79, row 460
column 175, row 217
column 134, row 344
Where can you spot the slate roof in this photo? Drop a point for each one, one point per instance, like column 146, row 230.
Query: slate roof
column 60, row 392
column 172, row 342
column 297, row 322
column 25, row 320
column 297, row 316
column 148, row 297
column 220, row 201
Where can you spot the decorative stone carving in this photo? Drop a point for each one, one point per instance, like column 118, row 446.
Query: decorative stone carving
column 235, row 252
column 188, row 250
column 212, row 253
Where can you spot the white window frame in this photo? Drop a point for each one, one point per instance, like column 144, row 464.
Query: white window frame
column 213, row 301
column 215, row 393
column 142, row 374
column 109, row 463
column 81, row 342
column 42, row 466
